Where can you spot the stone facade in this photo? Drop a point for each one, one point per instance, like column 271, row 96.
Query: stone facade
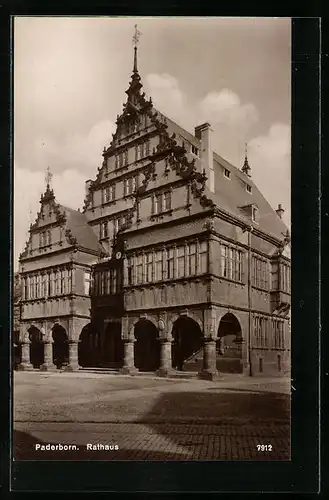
column 189, row 265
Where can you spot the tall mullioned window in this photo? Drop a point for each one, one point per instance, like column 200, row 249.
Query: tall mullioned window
column 230, row 263
column 191, row 260
column 285, row 277
column 260, row 273
column 261, row 331
column 161, row 202
column 278, row 333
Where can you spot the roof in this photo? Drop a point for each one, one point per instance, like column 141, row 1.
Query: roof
column 77, row 223
column 231, row 194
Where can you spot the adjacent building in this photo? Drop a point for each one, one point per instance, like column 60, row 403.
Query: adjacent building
column 176, row 261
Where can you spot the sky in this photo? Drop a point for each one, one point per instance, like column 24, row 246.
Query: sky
column 70, row 77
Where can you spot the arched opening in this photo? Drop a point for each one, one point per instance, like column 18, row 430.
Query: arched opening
column 36, row 347
column 229, row 347
column 60, row 346
column 112, row 349
column 147, row 346
column 89, row 349
column 187, row 347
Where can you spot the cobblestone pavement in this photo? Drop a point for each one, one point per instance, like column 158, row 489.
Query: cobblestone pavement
column 150, row 418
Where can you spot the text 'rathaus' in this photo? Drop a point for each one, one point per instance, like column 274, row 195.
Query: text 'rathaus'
column 176, row 262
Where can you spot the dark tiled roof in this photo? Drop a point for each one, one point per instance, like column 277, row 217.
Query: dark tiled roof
column 231, row 194
column 78, row 225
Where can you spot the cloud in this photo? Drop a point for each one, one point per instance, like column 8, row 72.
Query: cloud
column 169, row 98
column 68, row 187
column 225, row 108
column 270, row 159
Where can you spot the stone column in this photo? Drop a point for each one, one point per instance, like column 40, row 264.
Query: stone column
column 209, row 370
column 25, row 363
column 166, row 368
column 48, row 355
column 129, row 357
column 73, row 356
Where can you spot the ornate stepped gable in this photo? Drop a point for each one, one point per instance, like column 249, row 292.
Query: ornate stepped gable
column 58, row 216
column 133, row 110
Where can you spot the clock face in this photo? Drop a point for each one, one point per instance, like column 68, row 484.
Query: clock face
column 118, row 255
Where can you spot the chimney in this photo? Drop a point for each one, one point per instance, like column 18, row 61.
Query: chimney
column 280, row 210
column 204, row 134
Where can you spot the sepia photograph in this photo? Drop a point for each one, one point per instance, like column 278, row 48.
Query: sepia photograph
column 151, row 234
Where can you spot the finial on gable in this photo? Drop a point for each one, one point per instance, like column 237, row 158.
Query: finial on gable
column 246, row 167
column 48, row 178
column 136, row 37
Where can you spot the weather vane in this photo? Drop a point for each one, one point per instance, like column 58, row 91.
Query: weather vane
column 48, row 178
column 136, row 36
column 245, row 149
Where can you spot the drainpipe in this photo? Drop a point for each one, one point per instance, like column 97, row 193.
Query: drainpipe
column 250, row 230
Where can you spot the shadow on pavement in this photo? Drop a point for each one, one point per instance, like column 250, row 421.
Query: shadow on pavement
column 188, row 425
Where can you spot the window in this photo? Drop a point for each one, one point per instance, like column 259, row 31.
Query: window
column 203, row 257
column 62, row 278
column 167, row 200
column 87, row 282
column 130, row 269
column 261, row 331
column 285, row 278
column 104, row 230
column 260, row 273
column 48, row 238
column 248, row 188
column 158, row 204
column 162, row 202
column 170, row 263
column 149, row 267
column 278, row 334
column 115, row 225
column 191, row 259
column 180, row 262
column 224, row 261
column 158, row 266
column 109, row 194
column 129, row 185
column 139, row 269
column 142, row 150
column 227, row 173
column 231, row 263
column 195, row 150
column 26, row 288
column 254, row 214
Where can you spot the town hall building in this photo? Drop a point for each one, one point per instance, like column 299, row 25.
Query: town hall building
column 176, row 262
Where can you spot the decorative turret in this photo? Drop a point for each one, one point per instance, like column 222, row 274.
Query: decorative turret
column 246, row 169
column 280, row 210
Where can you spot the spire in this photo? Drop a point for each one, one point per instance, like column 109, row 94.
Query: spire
column 135, row 85
column 49, row 193
column 246, row 167
column 136, row 36
column 48, row 178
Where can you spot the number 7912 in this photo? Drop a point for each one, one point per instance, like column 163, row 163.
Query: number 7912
column 264, row 447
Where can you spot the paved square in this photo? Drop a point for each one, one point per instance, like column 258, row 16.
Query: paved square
column 116, row 417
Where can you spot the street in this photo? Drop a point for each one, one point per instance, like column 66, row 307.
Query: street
column 116, row 417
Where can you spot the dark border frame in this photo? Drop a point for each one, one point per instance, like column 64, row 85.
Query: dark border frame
column 302, row 473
